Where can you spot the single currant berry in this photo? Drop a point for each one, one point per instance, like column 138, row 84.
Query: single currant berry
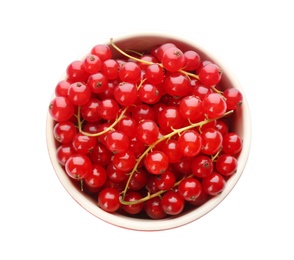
column 89, row 111
column 102, row 51
column 98, row 83
column 153, row 208
column 64, row 132
column 78, row 166
column 117, row 142
column 165, row 181
column 108, row 109
column 79, row 94
column 173, row 59
column 76, row 73
column 156, row 162
column 214, row 105
column 135, row 208
column 171, row 150
column 200, row 90
column 116, row 175
column 190, row 143
column 192, row 60
column 172, row 203
column 96, row 178
column 100, row 155
column 147, row 132
column 84, row 144
column 158, row 51
column 232, row 143
column 202, row 166
column 124, row 161
column 222, row 126
column 233, row 97
column 64, row 152
column 92, row 64
column 210, row 74
column 191, row 108
column 108, row 199
column 177, row 84
column 213, row 184
column 130, row 72
column 154, row 74
column 138, row 180
column 226, row 164
column 128, row 126
column 169, row 118
column 110, row 69
column 142, row 112
column 201, row 199
column 125, row 93
column 62, row 88
column 211, row 141
column 147, row 59
column 149, row 93
column 189, row 188
column 61, row 109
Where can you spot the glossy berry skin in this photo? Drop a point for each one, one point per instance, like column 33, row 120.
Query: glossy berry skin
column 147, row 132
column 92, row 64
column 133, row 208
column 177, row 84
column 78, row 166
column 213, row 184
column 125, row 93
column 214, row 105
column 97, row 83
column 226, row 164
column 64, row 132
column 96, row 178
column 170, row 118
column 89, row 111
column 62, row 88
column 153, row 208
column 138, row 180
column 210, row 74
column 190, row 108
column 108, row 199
column 130, row 72
column 190, row 188
column 173, row 59
column 76, row 73
column 171, row 150
column 202, row 166
column 193, row 60
column 232, row 143
column 83, row 144
column 156, row 162
column 64, row 152
column 154, row 74
column 165, row 181
column 102, row 51
column 61, row 109
column 79, row 93
column 211, row 141
column 233, row 98
column 149, row 93
column 189, row 143
column 172, row 203
column 110, row 69
column 108, row 109
column 124, row 161
column 117, row 142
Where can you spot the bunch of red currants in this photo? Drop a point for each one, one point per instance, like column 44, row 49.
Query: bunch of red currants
column 146, row 134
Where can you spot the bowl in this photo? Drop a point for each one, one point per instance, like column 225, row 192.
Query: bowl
column 241, row 125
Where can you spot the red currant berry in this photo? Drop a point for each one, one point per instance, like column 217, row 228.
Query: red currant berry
column 201, row 166
column 64, row 132
column 214, row 105
column 96, row 178
column 177, row 84
column 173, row 59
column 138, row 180
column 61, row 109
column 64, row 152
column 160, row 50
column 172, row 203
column 154, row 74
column 211, row 141
column 92, row 64
column 125, row 93
column 110, row 69
column 128, row 126
column 108, row 109
column 191, row 108
column 102, row 51
column 124, row 161
column 76, row 72
column 169, row 118
column 62, row 88
column 199, row 90
column 190, row 143
column 222, row 127
column 226, row 164
column 100, row 155
column 232, row 143
column 147, row 132
column 130, row 72
column 89, row 111
column 156, row 162
column 153, row 208
column 79, row 94
column 192, row 60
column 133, row 208
column 165, row 181
column 84, row 144
column 98, row 83
column 210, row 74
column 213, row 184
column 78, row 166
column 142, row 112
column 108, row 199
column 116, row 175
column 171, row 150
column 233, row 98
column 149, row 93
column 117, row 142
column 189, row 188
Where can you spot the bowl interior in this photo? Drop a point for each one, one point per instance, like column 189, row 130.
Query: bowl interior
column 241, row 125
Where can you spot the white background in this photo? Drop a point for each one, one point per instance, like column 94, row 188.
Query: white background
column 39, row 219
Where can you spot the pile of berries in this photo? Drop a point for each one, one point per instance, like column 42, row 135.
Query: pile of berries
column 146, row 134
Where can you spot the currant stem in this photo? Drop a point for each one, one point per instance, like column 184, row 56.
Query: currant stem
column 120, row 117
column 150, row 147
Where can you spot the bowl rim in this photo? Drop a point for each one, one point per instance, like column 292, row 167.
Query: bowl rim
column 170, row 222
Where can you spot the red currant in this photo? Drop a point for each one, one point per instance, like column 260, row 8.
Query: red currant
column 214, row 105
column 78, row 166
column 61, row 109
column 213, row 184
column 210, row 74
column 172, row 203
column 173, row 59
column 79, row 94
column 156, row 162
column 189, row 188
column 226, row 164
column 190, row 143
column 108, row 199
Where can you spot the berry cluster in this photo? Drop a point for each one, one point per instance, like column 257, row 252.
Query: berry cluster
column 147, row 134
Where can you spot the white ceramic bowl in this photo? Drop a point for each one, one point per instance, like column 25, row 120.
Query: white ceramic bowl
column 242, row 126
